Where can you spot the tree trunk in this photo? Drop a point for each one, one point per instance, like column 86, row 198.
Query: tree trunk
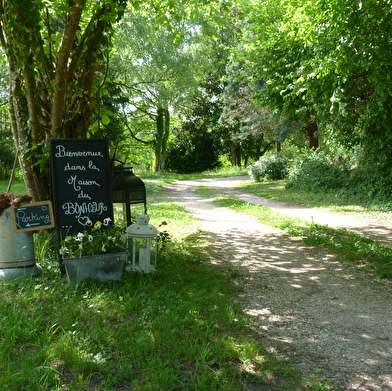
column 36, row 179
column 162, row 136
column 311, row 133
column 64, row 75
column 235, row 153
column 53, row 77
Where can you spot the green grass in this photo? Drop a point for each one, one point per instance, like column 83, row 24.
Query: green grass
column 334, row 201
column 17, row 187
column 168, row 177
column 173, row 329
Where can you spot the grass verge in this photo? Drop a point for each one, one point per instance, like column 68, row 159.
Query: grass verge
column 18, row 187
column 175, row 329
column 334, row 201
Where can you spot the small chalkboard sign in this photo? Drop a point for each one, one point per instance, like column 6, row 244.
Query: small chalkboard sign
column 33, row 216
column 80, row 177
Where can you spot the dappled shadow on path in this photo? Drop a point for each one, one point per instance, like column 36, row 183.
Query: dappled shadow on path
column 315, row 310
column 318, row 312
column 381, row 232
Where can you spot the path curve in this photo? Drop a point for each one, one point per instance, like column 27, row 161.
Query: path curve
column 316, row 312
column 381, row 232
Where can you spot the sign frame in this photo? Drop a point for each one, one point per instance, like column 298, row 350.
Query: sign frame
column 80, row 179
column 36, row 220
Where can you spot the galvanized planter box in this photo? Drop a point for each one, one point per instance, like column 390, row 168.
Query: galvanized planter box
column 102, row 267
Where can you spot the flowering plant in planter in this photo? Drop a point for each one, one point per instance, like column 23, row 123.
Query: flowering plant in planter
column 9, row 199
column 99, row 238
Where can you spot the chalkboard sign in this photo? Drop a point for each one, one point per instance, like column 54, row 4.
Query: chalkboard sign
column 33, row 216
column 80, row 183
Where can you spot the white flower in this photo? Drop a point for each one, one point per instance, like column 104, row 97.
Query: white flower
column 103, row 249
column 79, row 237
column 90, row 238
column 107, row 221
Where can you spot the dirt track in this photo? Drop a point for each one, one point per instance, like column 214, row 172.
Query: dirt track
column 323, row 315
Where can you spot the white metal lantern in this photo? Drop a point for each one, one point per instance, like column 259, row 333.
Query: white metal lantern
column 143, row 238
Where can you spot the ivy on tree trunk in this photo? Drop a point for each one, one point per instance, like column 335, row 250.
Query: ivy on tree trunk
column 162, row 136
column 56, row 53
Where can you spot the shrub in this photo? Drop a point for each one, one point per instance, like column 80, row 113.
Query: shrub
column 189, row 153
column 272, row 167
column 369, row 183
column 314, row 172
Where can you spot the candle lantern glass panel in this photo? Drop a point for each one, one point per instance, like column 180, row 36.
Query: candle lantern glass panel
column 144, row 254
column 143, row 238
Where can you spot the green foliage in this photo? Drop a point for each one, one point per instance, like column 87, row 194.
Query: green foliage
column 253, row 129
column 157, row 69
column 371, row 183
column 164, row 237
column 271, row 167
column 192, row 150
column 109, row 121
column 7, row 149
column 325, row 61
column 57, row 53
column 7, row 157
column 314, row 172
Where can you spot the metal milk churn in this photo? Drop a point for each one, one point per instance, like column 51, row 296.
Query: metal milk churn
column 17, row 257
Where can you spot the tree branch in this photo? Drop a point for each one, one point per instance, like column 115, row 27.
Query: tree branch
column 60, row 83
column 145, row 142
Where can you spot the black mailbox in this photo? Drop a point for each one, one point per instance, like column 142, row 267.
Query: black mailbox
column 127, row 189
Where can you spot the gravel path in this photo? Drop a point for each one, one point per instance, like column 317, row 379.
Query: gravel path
column 325, row 316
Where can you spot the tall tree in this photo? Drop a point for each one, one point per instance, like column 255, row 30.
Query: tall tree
column 253, row 128
column 274, row 58
column 326, row 62
column 57, row 52
column 158, row 68
column 197, row 142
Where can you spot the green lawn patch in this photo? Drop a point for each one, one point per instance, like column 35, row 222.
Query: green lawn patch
column 177, row 328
